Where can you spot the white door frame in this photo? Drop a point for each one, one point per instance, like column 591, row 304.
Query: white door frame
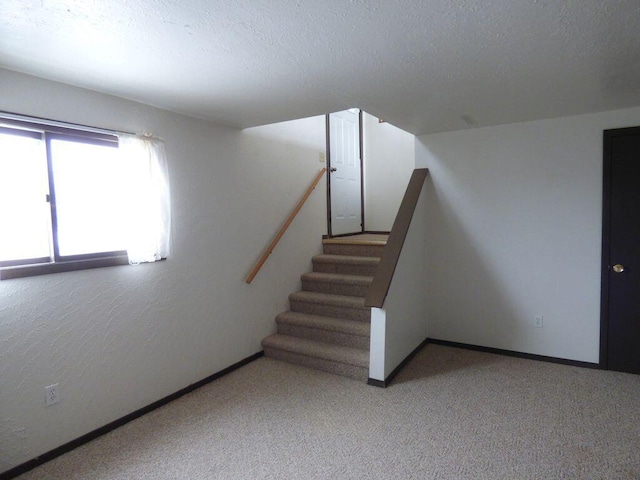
column 360, row 148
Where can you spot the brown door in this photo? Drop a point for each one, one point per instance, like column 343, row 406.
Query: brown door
column 620, row 332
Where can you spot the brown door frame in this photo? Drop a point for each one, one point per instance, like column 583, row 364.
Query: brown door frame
column 360, row 140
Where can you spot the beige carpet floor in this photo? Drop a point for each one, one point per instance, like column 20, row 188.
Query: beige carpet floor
column 450, row 414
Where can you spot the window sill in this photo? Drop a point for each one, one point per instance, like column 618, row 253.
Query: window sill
column 7, row 273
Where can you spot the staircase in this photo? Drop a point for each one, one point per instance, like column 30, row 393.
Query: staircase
column 327, row 326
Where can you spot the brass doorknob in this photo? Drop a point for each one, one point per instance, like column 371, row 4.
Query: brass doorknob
column 618, row 268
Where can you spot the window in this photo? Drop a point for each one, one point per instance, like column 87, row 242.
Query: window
column 72, row 198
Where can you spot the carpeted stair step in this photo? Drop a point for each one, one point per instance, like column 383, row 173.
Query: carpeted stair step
column 352, row 285
column 354, row 250
column 348, row 333
column 328, row 326
column 329, row 305
column 347, row 361
column 345, row 264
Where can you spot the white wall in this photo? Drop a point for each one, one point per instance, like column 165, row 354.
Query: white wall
column 402, row 324
column 117, row 339
column 515, row 231
column 389, row 157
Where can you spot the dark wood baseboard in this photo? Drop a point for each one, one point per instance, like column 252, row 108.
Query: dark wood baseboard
column 67, row 447
column 377, row 383
column 511, row 353
column 385, row 383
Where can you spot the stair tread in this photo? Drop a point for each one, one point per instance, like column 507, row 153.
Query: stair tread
column 346, row 259
column 363, row 239
column 311, row 348
column 337, row 278
column 340, row 325
column 327, row 299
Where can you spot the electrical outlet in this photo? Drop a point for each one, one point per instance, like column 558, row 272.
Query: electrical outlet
column 539, row 321
column 51, row 394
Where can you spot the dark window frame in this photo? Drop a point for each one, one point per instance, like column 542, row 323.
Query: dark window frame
column 56, row 263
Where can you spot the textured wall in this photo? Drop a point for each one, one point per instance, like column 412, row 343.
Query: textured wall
column 389, row 154
column 117, row 339
column 515, row 231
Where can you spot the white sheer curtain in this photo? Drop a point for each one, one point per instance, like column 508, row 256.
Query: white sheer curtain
column 149, row 215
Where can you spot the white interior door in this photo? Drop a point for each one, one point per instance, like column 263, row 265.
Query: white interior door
column 345, row 172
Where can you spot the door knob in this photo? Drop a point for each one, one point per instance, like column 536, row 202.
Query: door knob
column 333, row 169
column 618, row 268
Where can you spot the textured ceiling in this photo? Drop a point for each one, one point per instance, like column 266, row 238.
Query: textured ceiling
column 423, row 65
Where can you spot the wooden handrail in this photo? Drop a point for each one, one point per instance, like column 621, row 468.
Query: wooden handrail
column 284, row 227
column 387, row 266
